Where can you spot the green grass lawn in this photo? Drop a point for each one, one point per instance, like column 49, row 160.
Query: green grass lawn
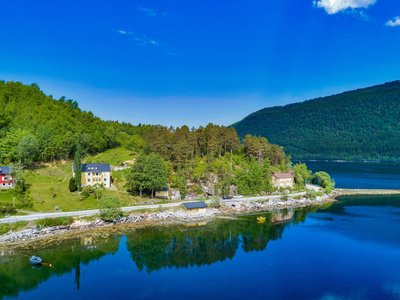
column 40, row 180
column 113, row 156
column 6, row 196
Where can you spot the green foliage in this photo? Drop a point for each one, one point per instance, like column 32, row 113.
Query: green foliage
column 7, row 210
column 72, row 186
column 215, row 202
column 324, row 180
column 85, row 194
column 311, row 194
column 50, row 222
column 5, row 228
column 155, row 173
column 136, row 178
column 110, row 208
column 98, row 191
column 78, row 166
column 360, row 124
column 28, row 148
column 301, row 174
column 27, row 111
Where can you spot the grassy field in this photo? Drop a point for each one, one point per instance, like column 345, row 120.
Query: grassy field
column 41, row 179
column 113, row 157
column 5, row 195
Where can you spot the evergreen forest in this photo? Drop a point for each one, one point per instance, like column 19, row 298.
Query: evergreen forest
column 355, row 125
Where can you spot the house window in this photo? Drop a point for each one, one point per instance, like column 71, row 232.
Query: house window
column 9, row 184
column 88, row 174
column 88, row 180
column 4, row 184
column 105, row 179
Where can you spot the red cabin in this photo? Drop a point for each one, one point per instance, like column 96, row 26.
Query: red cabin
column 6, row 179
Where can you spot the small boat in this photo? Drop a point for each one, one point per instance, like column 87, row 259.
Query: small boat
column 261, row 219
column 35, row 260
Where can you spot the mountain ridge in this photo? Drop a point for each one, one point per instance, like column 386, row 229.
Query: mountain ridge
column 357, row 125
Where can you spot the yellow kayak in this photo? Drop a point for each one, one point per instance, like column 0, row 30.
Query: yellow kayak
column 261, row 219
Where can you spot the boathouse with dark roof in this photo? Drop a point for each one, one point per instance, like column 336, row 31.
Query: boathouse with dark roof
column 198, row 206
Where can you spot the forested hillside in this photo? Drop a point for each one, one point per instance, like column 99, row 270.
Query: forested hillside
column 29, row 118
column 360, row 124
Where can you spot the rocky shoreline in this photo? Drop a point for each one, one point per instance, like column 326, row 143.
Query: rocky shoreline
column 170, row 216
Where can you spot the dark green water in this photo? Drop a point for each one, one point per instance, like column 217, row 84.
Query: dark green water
column 349, row 250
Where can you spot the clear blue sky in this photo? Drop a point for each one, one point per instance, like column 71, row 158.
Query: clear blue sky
column 195, row 62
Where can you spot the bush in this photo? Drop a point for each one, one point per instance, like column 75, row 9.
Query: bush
column 72, row 186
column 18, row 225
column 110, row 208
column 50, row 222
column 7, row 210
column 215, row 202
column 85, row 194
column 88, row 189
column 70, row 220
column 5, row 228
column 284, row 198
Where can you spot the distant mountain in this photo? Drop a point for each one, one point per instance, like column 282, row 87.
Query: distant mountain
column 360, row 124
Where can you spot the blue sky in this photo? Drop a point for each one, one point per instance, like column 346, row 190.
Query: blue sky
column 184, row 62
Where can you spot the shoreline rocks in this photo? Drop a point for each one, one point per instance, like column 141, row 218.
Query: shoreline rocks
column 233, row 207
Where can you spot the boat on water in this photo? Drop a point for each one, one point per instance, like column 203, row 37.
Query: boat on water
column 261, row 219
column 35, row 260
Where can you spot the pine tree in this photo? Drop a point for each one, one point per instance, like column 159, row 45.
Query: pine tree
column 78, row 165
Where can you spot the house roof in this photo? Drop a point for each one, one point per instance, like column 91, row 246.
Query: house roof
column 4, row 170
column 194, row 205
column 166, row 189
column 282, row 175
column 97, row 168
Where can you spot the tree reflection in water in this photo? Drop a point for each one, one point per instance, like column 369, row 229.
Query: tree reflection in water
column 151, row 249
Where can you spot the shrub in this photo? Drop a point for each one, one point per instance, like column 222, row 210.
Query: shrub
column 215, row 202
column 70, row 220
column 284, row 198
column 4, row 228
column 85, row 194
column 18, row 225
column 72, row 186
column 88, row 189
column 110, row 208
column 7, row 210
column 50, row 222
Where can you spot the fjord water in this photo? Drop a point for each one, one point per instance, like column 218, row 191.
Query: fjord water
column 347, row 250
column 359, row 175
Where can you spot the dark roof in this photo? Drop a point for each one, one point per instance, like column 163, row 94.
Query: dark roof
column 4, row 170
column 96, row 168
column 194, row 205
column 166, row 189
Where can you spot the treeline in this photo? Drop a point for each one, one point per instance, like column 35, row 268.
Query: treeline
column 182, row 144
column 360, row 124
column 53, row 125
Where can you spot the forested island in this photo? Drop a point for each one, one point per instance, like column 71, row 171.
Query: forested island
column 355, row 125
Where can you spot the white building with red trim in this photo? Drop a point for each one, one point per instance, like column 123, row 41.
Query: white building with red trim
column 6, row 179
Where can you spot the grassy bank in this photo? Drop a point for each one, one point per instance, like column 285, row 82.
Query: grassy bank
column 42, row 178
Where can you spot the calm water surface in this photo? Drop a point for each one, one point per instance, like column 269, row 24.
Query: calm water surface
column 360, row 175
column 349, row 250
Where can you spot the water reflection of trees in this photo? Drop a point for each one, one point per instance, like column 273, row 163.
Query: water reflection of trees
column 151, row 249
column 17, row 275
column 155, row 249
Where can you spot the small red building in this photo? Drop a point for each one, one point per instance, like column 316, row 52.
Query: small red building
column 6, row 179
